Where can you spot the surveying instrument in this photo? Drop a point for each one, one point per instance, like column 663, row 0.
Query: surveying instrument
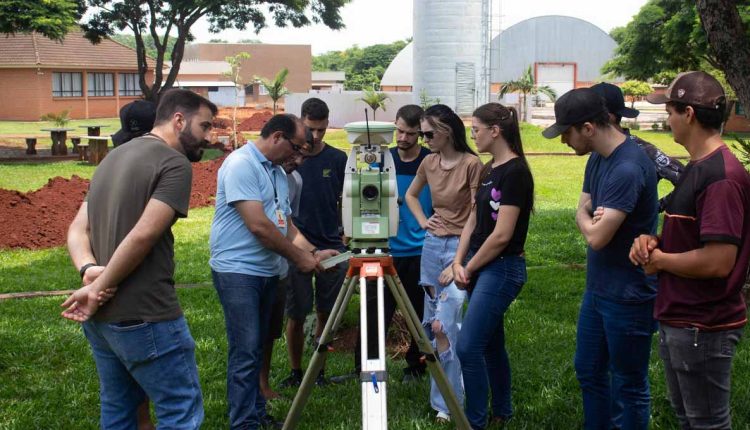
column 370, row 217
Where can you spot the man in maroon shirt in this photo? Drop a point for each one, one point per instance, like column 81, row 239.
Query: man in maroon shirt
column 702, row 256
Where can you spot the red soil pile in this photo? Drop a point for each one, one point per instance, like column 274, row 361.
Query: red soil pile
column 40, row 219
column 255, row 122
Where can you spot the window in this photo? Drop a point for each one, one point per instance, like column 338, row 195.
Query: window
column 101, row 84
column 65, row 84
column 739, row 110
column 213, row 89
column 129, row 85
column 263, row 91
column 249, row 90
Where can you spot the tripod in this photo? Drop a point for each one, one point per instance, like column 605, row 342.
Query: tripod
column 373, row 377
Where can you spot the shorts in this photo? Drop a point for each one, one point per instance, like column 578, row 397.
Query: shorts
column 299, row 293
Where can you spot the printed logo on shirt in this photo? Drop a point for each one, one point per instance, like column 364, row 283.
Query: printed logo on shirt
column 495, row 202
column 326, row 173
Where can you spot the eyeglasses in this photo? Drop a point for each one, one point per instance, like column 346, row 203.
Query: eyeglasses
column 429, row 135
column 296, row 148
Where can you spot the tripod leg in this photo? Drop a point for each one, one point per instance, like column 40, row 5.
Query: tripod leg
column 316, row 362
column 437, row 372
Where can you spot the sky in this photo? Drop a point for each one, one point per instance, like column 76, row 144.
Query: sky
column 369, row 22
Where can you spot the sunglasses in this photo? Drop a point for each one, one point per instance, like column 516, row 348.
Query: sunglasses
column 429, row 135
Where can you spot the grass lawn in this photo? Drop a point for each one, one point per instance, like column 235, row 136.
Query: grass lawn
column 49, row 379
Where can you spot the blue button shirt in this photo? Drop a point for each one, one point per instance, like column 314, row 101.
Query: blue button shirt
column 246, row 175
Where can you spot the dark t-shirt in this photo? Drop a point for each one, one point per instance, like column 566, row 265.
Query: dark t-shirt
column 509, row 184
column 122, row 185
column 319, row 217
column 626, row 181
column 711, row 203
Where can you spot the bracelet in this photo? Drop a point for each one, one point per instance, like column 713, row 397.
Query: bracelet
column 84, row 268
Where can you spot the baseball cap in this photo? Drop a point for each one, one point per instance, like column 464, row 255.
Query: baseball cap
column 614, row 100
column 575, row 107
column 136, row 118
column 693, row 88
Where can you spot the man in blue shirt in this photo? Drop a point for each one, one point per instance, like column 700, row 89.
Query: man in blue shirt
column 616, row 322
column 250, row 233
column 319, row 221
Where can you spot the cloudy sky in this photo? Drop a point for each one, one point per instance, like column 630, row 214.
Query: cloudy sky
column 383, row 21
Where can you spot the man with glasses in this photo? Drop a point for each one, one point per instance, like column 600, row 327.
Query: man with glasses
column 319, row 220
column 250, row 233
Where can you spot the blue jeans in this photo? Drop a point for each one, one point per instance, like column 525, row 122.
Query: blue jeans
column 445, row 305
column 698, row 367
column 154, row 359
column 247, row 302
column 481, row 345
column 613, row 346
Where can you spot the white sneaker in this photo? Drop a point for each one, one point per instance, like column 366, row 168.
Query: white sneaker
column 442, row 418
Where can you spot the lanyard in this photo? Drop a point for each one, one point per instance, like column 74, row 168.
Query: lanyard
column 273, row 185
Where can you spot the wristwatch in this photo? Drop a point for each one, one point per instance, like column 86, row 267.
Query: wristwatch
column 84, row 268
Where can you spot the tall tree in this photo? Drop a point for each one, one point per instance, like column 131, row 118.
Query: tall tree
column 730, row 43
column 635, row 89
column 51, row 18
column 148, row 41
column 364, row 67
column 669, row 36
column 275, row 87
column 166, row 19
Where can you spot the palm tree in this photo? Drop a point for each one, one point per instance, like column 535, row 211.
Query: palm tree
column 526, row 86
column 275, row 87
column 374, row 99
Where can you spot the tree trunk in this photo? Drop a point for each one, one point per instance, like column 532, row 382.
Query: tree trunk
column 729, row 43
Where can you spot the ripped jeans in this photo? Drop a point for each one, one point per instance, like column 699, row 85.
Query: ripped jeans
column 444, row 304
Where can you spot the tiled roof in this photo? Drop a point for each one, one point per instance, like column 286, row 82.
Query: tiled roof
column 35, row 50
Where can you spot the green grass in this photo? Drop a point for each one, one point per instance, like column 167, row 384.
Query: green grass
column 34, row 128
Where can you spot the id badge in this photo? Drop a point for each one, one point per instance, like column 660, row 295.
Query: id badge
column 280, row 219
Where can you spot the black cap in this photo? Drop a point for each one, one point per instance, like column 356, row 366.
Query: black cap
column 136, row 119
column 614, row 100
column 575, row 107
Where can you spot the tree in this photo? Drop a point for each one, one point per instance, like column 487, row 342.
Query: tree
column 635, row 89
column 148, row 42
column 275, row 87
column 51, row 18
column 235, row 64
column 526, row 85
column 376, row 100
column 364, row 67
column 173, row 19
column 218, row 41
column 730, row 41
column 670, row 36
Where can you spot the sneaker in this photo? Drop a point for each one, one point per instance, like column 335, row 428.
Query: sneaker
column 442, row 418
column 293, row 380
column 268, row 422
column 321, row 380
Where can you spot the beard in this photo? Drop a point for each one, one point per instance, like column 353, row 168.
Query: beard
column 406, row 145
column 192, row 146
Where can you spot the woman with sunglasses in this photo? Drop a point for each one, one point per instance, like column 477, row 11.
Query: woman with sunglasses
column 492, row 245
column 452, row 173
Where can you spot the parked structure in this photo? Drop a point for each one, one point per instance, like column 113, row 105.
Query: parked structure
column 329, row 82
column 39, row 76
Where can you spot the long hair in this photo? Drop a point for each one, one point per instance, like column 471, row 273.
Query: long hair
column 507, row 119
column 444, row 119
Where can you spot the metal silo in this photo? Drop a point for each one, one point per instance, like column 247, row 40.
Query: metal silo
column 448, row 46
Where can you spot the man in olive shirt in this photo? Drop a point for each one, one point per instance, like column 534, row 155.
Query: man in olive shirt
column 122, row 245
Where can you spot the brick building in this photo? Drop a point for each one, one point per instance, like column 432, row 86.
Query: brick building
column 40, row 76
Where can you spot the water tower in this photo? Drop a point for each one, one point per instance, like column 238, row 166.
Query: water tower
column 451, row 52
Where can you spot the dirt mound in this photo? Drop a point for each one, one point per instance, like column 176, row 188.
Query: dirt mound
column 255, row 122
column 40, row 219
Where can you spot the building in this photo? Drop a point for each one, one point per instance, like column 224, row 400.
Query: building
column 265, row 61
column 328, row 82
column 40, row 76
column 564, row 53
column 212, row 80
